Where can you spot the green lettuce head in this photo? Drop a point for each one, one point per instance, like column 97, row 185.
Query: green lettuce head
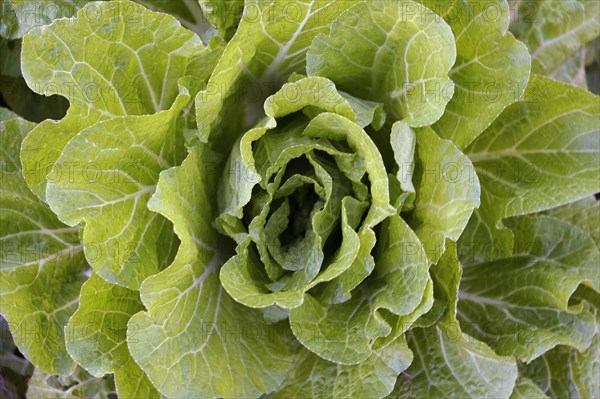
column 304, row 199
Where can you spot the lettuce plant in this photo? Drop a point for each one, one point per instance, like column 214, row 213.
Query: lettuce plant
column 303, row 199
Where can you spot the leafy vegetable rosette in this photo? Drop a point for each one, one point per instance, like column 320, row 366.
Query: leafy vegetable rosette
column 341, row 199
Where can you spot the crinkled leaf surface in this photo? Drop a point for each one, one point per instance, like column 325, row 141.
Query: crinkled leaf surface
column 110, row 197
column 96, row 336
column 491, row 69
column 393, row 52
column 342, row 195
column 42, row 265
column 374, row 377
column 449, row 363
column 566, row 372
column 349, row 340
column 520, row 305
column 541, row 153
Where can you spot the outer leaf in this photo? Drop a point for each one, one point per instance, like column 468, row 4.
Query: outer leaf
column 380, row 51
column 567, row 373
column 96, row 336
column 450, row 364
column 520, row 305
column 42, row 265
column 96, row 331
column 125, row 243
column 146, row 52
column 447, row 192
column 491, row 69
column 126, row 251
column 195, row 340
column 584, row 214
column 554, row 30
column 269, row 45
column 540, row 153
column 374, row 378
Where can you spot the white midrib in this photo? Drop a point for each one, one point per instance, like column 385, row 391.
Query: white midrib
column 513, row 152
column 134, row 195
column 283, row 51
column 483, row 300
